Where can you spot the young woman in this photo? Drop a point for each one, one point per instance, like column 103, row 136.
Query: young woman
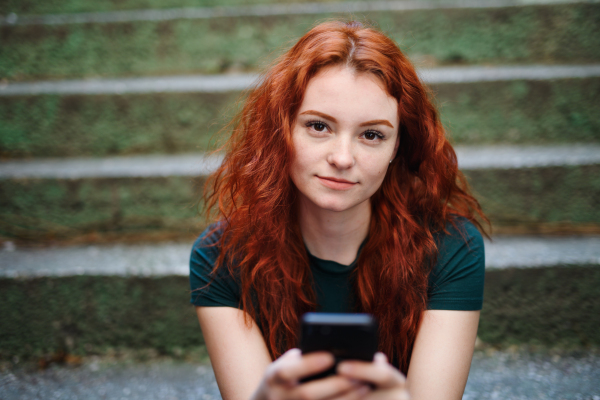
column 339, row 192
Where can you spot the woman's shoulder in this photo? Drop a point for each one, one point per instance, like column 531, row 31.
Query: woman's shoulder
column 457, row 279
column 209, row 287
column 207, row 244
column 459, row 234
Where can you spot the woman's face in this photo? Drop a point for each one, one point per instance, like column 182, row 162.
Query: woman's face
column 345, row 134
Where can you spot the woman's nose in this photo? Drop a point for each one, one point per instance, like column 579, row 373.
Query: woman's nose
column 341, row 154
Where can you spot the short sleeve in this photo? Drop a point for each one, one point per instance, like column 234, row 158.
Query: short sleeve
column 208, row 289
column 456, row 281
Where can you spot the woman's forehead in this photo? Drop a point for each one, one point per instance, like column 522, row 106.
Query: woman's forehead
column 356, row 95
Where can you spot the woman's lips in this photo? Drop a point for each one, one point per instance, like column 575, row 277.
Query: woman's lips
column 335, row 183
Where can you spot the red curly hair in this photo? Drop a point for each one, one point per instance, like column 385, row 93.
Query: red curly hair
column 253, row 194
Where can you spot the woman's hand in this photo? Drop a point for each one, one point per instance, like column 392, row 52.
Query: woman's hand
column 281, row 380
column 388, row 382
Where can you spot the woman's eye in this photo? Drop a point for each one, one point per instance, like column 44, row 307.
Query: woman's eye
column 319, row 127
column 371, row 135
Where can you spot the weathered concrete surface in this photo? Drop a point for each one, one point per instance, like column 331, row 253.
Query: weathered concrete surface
column 469, row 158
column 166, row 84
column 121, row 260
column 499, row 375
column 524, row 251
column 518, row 377
column 172, row 258
column 115, row 381
column 112, row 167
column 511, row 156
column 236, row 82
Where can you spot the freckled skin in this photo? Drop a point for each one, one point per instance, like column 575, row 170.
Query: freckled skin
column 343, row 144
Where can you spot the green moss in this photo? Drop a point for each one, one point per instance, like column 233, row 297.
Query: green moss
column 533, row 112
column 90, row 314
column 542, row 306
column 535, row 196
column 46, row 209
column 55, row 126
column 538, row 34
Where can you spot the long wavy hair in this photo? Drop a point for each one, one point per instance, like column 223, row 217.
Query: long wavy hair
column 254, row 197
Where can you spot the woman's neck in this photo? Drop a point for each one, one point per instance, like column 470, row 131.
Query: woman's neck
column 334, row 235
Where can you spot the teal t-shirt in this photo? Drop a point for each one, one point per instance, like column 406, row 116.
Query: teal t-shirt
column 455, row 283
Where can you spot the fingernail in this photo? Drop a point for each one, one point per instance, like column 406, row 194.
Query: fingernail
column 294, row 352
column 345, row 368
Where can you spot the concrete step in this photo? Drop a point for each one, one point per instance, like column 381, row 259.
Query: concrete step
column 505, row 35
column 114, row 167
column 549, row 111
column 469, row 158
column 495, row 375
column 168, row 14
column 240, row 82
column 160, row 259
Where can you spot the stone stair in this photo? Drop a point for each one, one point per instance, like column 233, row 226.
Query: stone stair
column 507, row 375
column 107, row 120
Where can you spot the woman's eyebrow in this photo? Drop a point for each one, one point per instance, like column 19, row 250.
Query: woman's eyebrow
column 367, row 123
column 377, row 122
column 320, row 114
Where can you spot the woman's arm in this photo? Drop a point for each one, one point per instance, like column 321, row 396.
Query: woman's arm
column 442, row 354
column 244, row 370
column 238, row 353
column 439, row 366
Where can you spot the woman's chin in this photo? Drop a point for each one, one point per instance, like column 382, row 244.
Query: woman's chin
column 335, row 205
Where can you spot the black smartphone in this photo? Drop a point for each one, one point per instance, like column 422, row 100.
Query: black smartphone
column 346, row 336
